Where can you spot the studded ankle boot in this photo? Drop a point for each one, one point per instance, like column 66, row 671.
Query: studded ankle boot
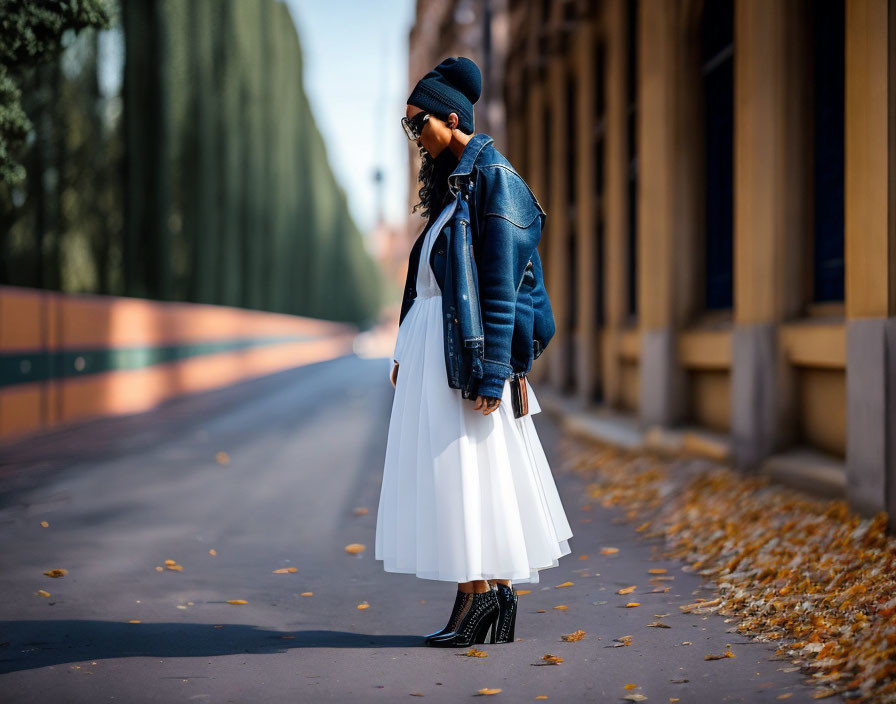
column 507, row 603
column 460, row 602
column 476, row 624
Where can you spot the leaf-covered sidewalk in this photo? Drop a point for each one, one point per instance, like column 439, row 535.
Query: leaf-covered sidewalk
column 806, row 573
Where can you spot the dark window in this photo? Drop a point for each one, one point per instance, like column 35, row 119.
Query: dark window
column 717, row 67
column 598, row 152
column 828, row 48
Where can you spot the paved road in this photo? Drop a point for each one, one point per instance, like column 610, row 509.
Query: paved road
column 305, row 447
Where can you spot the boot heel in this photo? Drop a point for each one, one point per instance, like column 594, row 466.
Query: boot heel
column 505, row 627
column 487, row 629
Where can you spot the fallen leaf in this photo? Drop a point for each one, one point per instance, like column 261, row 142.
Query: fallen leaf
column 549, row 659
column 355, row 548
column 363, row 605
column 45, row 524
column 474, row 653
column 359, row 511
column 630, row 686
column 59, row 572
column 523, row 591
column 634, row 697
column 307, row 594
column 583, row 557
column 659, row 624
column 286, row 570
column 541, row 696
column 485, row 691
column 561, row 607
column 540, row 611
column 222, row 457
column 574, row 636
column 609, row 551
column 726, row 654
column 237, row 601
column 212, row 552
column 657, row 570
column 565, row 584
column 627, row 590
column 632, row 603
column 41, row 592
column 786, row 695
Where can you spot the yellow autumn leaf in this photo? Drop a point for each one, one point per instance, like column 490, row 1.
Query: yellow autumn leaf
column 551, row 659
column 355, row 548
column 583, row 557
column 176, row 568
column 630, row 686
column 237, row 601
column 540, row 611
column 59, row 572
column 485, row 691
column 574, row 636
column 475, row 653
column 565, row 584
column 41, row 592
column 632, row 603
column 159, row 568
column 627, row 590
column 541, row 696
column 561, row 607
column 523, row 591
column 657, row 570
column 363, row 605
column 307, row 594
column 212, row 552
column 609, row 551
column 45, row 524
column 286, row 570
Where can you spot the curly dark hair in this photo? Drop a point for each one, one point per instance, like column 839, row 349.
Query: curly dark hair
column 428, row 191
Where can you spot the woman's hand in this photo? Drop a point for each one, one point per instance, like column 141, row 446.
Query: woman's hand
column 486, row 404
column 393, row 377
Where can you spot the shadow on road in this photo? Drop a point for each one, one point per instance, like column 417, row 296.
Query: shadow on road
column 46, row 643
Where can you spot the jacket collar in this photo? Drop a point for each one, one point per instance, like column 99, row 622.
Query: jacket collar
column 468, row 157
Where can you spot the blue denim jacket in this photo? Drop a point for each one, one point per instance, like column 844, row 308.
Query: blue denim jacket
column 497, row 317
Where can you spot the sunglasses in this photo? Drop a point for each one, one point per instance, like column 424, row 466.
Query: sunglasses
column 414, row 126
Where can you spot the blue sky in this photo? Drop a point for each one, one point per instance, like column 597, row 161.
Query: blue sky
column 356, row 77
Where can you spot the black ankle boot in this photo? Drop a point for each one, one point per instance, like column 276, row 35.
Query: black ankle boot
column 507, row 603
column 460, row 601
column 475, row 625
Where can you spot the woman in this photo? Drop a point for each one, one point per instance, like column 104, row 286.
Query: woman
column 467, row 494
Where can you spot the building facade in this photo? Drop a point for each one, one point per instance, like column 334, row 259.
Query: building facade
column 720, row 249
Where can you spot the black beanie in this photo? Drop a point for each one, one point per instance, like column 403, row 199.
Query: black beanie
column 452, row 86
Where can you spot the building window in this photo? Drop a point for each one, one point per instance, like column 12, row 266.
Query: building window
column 598, row 156
column 828, row 22
column 717, row 68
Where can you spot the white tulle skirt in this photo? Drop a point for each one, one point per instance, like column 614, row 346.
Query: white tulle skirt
column 464, row 495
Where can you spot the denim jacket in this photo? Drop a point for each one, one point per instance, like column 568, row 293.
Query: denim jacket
column 497, row 317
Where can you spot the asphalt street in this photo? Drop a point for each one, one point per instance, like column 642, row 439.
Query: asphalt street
column 304, row 448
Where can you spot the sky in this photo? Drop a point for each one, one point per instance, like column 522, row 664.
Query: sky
column 356, row 77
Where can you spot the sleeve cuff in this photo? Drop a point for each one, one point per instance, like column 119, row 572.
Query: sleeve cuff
column 493, row 378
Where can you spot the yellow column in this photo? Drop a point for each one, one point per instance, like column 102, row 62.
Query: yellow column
column 870, row 241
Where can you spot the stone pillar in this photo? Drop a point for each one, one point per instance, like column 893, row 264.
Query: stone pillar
column 614, row 277
column 588, row 352
column 772, row 216
column 870, row 235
